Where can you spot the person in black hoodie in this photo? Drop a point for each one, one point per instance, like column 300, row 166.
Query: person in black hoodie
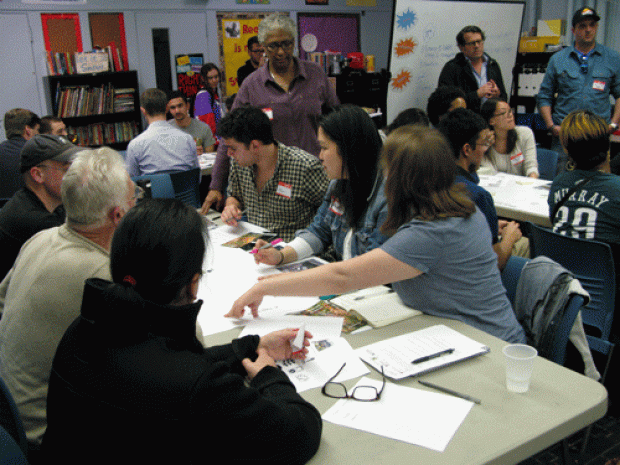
column 131, row 383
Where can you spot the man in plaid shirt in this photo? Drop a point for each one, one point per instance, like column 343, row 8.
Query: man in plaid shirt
column 276, row 187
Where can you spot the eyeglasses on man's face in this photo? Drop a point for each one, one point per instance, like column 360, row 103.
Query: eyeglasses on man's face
column 362, row 393
column 474, row 43
column 275, row 46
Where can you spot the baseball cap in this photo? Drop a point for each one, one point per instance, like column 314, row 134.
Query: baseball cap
column 585, row 13
column 47, row 147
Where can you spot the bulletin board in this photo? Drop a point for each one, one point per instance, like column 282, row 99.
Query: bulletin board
column 61, row 32
column 234, row 31
column 108, row 28
column 319, row 32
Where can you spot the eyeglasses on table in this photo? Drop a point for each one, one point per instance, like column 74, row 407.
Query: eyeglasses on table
column 362, row 393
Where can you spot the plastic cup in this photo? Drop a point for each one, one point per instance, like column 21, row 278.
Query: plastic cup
column 519, row 365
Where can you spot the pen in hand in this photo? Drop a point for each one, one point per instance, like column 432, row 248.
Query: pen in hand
column 267, row 245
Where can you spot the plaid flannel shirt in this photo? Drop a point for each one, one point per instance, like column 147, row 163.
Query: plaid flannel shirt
column 291, row 197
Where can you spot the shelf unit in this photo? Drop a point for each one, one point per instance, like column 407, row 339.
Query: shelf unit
column 101, row 108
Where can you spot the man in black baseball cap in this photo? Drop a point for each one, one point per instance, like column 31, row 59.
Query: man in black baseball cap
column 44, row 159
column 585, row 13
column 582, row 76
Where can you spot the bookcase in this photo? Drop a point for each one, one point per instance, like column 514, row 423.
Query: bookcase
column 101, row 108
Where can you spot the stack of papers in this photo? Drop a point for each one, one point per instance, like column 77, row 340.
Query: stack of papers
column 402, row 356
column 379, row 305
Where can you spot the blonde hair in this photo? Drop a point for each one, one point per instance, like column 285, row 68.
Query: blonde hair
column 585, row 138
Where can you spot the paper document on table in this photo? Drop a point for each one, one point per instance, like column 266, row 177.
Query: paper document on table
column 325, row 357
column 227, row 275
column 320, row 327
column 420, row 351
column 424, row 418
column 379, row 305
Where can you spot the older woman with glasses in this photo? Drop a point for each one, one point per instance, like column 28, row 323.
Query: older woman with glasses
column 514, row 150
column 293, row 93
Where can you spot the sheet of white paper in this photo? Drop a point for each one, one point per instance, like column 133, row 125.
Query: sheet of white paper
column 406, row 414
column 325, row 358
column 228, row 273
column 321, row 327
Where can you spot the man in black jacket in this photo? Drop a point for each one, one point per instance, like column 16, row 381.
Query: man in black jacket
column 473, row 71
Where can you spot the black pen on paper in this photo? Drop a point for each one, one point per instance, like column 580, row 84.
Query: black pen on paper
column 426, row 358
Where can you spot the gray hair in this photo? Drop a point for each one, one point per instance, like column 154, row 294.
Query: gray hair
column 95, row 183
column 276, row 22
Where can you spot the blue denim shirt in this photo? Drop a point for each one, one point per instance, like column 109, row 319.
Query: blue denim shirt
column 577, row 90
column 329, row 227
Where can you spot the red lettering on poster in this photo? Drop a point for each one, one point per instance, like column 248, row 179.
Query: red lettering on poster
column 189, row 85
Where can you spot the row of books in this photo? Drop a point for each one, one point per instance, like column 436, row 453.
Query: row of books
column 59, row 63
column 105, row 133
column 72, row 101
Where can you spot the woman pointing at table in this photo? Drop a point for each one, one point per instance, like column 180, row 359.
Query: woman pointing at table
column 354, row 207
column 439, row 256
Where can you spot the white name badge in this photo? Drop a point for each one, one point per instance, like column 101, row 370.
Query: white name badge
column 517, row 159
column 598, row 85
column 284, row 190
column 336, row 207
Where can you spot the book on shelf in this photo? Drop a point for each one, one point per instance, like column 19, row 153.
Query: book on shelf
column 104, row 133
column 83, row 100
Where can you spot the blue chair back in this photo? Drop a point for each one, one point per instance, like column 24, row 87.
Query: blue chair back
column 182, row 185
column 592, row 263
column 10, row 453
column 186, row 186
column 547, row 163
column 553, row 345
column 10, row 419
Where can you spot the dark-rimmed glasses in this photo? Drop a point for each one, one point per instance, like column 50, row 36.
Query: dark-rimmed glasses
column 361, row 393
column 275, row 46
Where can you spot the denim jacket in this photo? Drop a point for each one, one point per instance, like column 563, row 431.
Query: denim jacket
column 330, row 227
column 578, row 90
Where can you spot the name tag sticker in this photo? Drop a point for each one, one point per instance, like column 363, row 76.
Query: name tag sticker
column 517, row 159
column 284, row 190
column 336, row 207
column 268, row 112
column 598, row 85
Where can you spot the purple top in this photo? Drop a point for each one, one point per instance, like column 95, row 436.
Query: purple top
column 295, row 113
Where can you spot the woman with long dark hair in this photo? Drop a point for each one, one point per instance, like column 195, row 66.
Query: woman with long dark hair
column 131, row 382
column 514, row 150
column 208, row 103
column 354, row 207
column 439, row 256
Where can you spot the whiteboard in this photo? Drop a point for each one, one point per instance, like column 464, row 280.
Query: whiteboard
column 424, row 39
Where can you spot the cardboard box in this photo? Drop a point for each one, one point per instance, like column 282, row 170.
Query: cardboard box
column 551, row 27
column 537, row 44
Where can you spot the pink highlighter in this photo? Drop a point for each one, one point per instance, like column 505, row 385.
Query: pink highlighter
column 270, row 244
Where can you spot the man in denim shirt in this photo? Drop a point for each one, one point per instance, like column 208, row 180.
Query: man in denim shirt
column 583, row 76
